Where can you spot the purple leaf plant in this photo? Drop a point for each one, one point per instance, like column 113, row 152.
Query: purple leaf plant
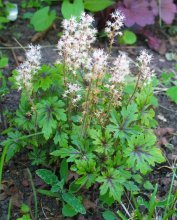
column 143, row 12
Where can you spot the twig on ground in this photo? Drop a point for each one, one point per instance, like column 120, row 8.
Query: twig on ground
column 159, row 90
column 26, row 47
column 125, row 209
column 43, row 212
column 168, row 109
column 39, row 35
column 15, row 57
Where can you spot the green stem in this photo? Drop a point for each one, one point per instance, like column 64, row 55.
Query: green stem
column 34, row 194
column 169, row 195
column 28, row 136
column 69, row 111
column 9, row 210
column 87, row 108
column 111, row 41
column 2, row 162
column 160, row 13
column 110, row 105
column 136, row 87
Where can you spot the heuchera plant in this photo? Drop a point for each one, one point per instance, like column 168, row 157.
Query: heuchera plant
column 143, row 12
column 87, row 115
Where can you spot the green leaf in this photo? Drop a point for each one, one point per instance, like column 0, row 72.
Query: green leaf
column 61, row 138
column 154, row 101
column 34, row 156
column 121, row 215
column 27, row 15
column 47, row 193
column 64, row 170
column 97, row 5
column 88, row 170
column 142, row 153
column 74, row 202
column 58, row 187
column 3, row 62
column 24, row 116
column 68, row 211
column 131, row 186
column 167, row 78
column 108, row 215
column 74, row 187
column 24, row 208
column 3, row 20
column 42, row 19
column 47, row 176
column 107, row 199
column 25, row 217
column 102, row 141
column 50, row 111
column 148, row 185
column 70, row 152
column 69, row 9
column 152, row 203
column 112, row 182
column 172, row 93
column 138, row 178
column 128, row 37
column 13, row 143
column 48, row 77
column 122, row 125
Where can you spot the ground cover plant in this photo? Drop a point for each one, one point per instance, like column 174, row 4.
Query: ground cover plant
column 86, row 115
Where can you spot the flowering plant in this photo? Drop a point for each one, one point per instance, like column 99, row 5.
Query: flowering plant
column 87, row 115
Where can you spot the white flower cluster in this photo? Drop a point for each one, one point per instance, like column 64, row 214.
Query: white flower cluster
column 113, row 27
column 120, row 69
column 72, row 90
column 144, row 61
column 98, row 65
column 99, row 61
column 76, row 52
column 27, row 69
column 76, row 41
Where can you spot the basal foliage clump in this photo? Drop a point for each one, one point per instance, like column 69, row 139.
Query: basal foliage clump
column 87, row 115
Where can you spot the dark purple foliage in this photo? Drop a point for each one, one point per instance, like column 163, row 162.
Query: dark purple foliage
column 153, row 42
column 143, row 12
column 137, row 12
column 168, row 11
column 153, row 6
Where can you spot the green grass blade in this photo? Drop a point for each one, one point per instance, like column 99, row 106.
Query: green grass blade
column 152, row 203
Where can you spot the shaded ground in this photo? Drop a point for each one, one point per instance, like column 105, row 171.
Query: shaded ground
column 16, row 181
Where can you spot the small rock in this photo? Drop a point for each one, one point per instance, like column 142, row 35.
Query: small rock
column 162, row 118
column 172, row 157
column 25, row 183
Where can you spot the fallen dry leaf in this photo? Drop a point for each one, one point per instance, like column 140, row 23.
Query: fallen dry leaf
column 162, row 134
column 89, row 204
column 72, row 175
column 17, row 199
column 8, row 189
